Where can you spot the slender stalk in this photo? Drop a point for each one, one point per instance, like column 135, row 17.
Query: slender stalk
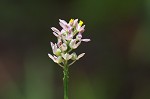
column 65, row 80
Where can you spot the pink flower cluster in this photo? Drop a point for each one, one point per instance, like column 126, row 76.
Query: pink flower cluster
column 69, row 38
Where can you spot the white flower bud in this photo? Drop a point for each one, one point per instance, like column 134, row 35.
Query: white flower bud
column 74, row 56
column 58, row 52
column 59, row 59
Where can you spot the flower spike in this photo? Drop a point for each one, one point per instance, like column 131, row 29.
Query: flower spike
column 69, row 38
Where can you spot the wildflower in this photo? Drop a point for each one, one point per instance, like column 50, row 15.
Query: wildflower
column 68, row 39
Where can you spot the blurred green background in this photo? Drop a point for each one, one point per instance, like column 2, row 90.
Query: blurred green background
column 117, row 60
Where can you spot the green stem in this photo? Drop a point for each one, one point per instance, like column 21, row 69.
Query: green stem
column 65, row 80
